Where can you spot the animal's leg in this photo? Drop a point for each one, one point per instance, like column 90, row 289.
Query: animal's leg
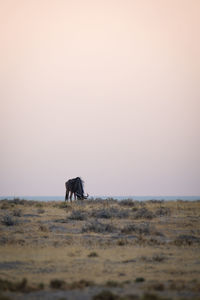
column 70, row 196
column 66, row 195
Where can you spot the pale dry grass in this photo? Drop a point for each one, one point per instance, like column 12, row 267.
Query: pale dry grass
column 46, row 243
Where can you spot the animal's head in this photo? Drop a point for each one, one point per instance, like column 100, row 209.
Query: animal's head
column 81, row 196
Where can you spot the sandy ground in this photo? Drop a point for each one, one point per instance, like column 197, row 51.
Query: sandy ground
column 99, row 249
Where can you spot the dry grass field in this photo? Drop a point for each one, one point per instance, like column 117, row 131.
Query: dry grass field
column 100, row 250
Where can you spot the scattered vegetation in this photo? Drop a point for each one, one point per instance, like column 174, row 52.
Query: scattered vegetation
column 112, row 212
column 97, row 227
column 17, row 212
column 93, row 254
column 21, row 286
column 43, row 228
column 139, row 279
column 40, row 205
column 127, row 202
column 78, row 215
column 119, row 245
column 113, row 283
column 57, row 284
column 143, row 228
column 162, row 211
column 106, row 295
column 40, row 211
column 8, row 220
column 62, row 285
column 143, row 213
column 122, row 242
column 186, row 240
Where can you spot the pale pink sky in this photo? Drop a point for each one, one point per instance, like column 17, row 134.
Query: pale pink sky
column 106, row 90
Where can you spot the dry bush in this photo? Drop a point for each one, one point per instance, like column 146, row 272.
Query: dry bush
column 157, row 286
column 57, row 284
column 22, row 286
column 81, row 284
column 38, row 204
column 122, row 242
column 139, row 279
column 113, row 283
column 6, row 204
column 62, row 285
column 97, row 227
column 8, row 221
column 94, row 201
column 142, row 228
column 40, row 211
column 17, row 212
column 163, row 211
column 78, row 215
column 154, row 201
column 127, row 202
column 186, row 240
column 106, row 295
column 93, row 254
column 43, row 228
column 158, row 257
column 149, row 296
column 111, row 212
column 63, row 205
column 98, row 200
column 143, row 213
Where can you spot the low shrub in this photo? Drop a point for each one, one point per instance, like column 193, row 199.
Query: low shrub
column 17, row 213
column 8, row 221
column 7, row 285
column 40, row 211
column 106, row 295
column 143, row 213
column 162, row 211
column 98, row 227
column 5, row 205
column 57, row 284
column 40, row 205
column 111, row 212
column 93, row 254
column 139, row 279
column 158, row 258
column 81, row 284
column 143, row 228
column 113, row 283
column 122, row 242
column 157, row 286
column 78, row 215
column 186, row 240
column 127, row 202
column 149, row 296
column 3, row 297
column 63, row 205
column 43, row 228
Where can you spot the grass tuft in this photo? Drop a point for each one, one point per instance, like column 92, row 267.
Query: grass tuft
column 97, row 227
column 8, row 221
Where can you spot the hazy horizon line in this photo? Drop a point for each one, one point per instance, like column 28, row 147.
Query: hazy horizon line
column 105, row 195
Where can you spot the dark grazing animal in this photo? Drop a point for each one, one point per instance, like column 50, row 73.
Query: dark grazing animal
column 75, row 186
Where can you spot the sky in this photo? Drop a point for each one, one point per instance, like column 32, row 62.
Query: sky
column 107, row 90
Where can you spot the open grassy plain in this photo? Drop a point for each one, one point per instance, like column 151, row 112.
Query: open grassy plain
column 100, row 250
